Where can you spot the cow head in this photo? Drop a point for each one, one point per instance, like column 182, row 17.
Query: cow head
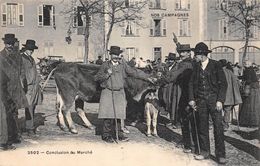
column 138, row 88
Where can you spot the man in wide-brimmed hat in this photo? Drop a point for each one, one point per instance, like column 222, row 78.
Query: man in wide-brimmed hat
column 207, row 91
column 184, row 112
column 31, row 82
column 111, row 76
column 170, row 90
column 11, row 92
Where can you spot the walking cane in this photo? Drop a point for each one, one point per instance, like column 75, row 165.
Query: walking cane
column 196, row 129
column 236, row 118
column 114, row 108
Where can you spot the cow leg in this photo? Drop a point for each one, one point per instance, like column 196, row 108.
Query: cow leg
column 154, row 120
column 79, row 105
column 61, row 121
column 148, row 119
column 71, row 124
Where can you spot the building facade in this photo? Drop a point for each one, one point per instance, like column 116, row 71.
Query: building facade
column 46, row 22
column 226, row 40
column 160, row 19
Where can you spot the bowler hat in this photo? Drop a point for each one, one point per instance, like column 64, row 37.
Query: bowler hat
column 183, row 47
column 115, row 50
column 30, row 45
column 201, row 48
column 9, row 38
column 172, row 56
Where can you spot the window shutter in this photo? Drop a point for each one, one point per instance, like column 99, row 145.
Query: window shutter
column 163, row 4
column 136, row 29
column 180, row 27
column 151, row 3
column 164, row 28
column 21, row 14
column 4, row 14
column 189, row 32
column 177, row 4
column 151, row 28
column 75, row 17
column 124, row 25
column 53, row 17
column 40, row 15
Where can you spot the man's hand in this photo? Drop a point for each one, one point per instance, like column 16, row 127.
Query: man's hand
column 109, row 71
column 152, row 80
column 192, row 103
column 219, row 106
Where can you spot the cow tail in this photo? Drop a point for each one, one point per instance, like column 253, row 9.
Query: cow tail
column 48, row 78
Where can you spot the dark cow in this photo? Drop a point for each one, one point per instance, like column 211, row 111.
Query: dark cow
column 75, row 82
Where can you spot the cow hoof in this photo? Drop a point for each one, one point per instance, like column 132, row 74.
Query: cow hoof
column 91, row 127
column 155, row 135
column 64, row 128
column 148, row 134
column 73, row 131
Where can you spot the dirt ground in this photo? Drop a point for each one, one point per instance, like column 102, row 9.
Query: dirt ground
column 51, row 146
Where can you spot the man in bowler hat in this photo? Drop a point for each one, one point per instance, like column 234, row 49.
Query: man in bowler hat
column 31, row 85
column 207, row 91
column 12, row 94
column 186, row 114
column 112, row 107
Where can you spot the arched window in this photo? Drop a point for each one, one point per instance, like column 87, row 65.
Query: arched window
column 223, row 52
column 253, row 54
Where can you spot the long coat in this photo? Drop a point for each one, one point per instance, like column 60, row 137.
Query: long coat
column 11, row 91
column 233, row 96
column 114, row 84
column 3, row 104
column 31, row 80
column 11, row 66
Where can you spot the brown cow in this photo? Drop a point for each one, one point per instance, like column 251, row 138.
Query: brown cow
column 75, row 82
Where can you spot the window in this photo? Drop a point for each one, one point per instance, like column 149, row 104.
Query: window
column 157, row 52
column 157, row 4
column 130, row 53
column 130, row 28
column 12, row 14
column 46, row 15
column 182, row 4
column 79, row 17
column 158, row 27
column 48, row 48
column 184, row 27
column 222, row 4
column 223, row 29
column 129, row 3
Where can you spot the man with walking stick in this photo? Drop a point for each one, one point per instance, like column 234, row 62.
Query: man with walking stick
column 207, row 91
column 187, row 115
column 112, row 107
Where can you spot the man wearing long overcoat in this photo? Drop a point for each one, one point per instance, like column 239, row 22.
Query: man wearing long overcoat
column 31, row 84
column 14, row 96
column 171, row 91
column 111, row 77
column 207, row 92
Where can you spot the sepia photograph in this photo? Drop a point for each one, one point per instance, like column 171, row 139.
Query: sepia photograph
column 130, row 82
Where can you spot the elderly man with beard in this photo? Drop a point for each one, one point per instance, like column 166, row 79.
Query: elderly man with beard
column 31, row 81
column 207, row 92
column 12, row 94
